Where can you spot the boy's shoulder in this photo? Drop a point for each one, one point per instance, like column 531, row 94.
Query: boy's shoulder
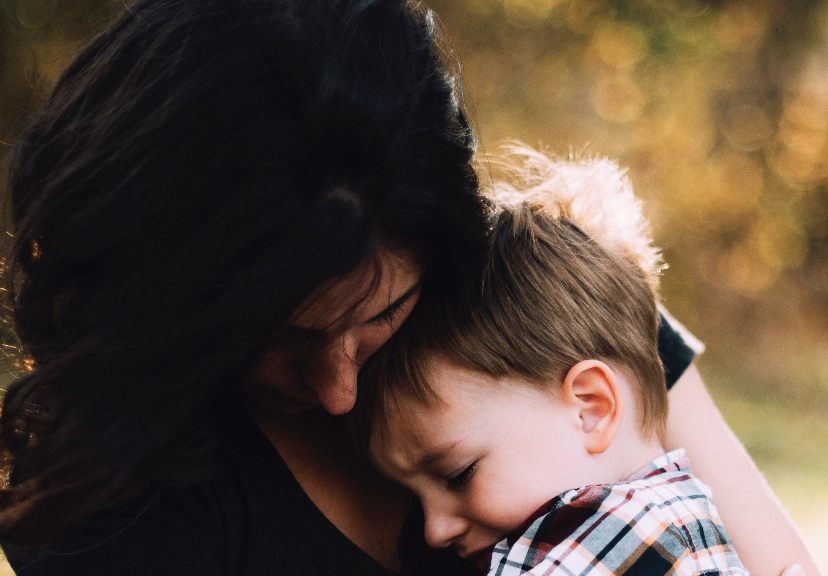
column 660, row 520
column 665, row 488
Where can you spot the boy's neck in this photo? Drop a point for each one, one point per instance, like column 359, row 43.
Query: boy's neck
column 632, row 448
column 629, row 454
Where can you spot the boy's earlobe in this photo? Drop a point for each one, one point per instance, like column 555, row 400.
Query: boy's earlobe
column 595, row 389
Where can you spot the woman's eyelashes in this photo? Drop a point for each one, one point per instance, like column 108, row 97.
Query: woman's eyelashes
column 457, row 482
column 388, row 316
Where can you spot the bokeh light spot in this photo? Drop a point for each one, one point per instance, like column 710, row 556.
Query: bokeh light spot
column 736, row 185
column 781, row 243
column 741, row 26
column 621, row 46
column 747, row 127
column 617, row 99
column 528, row 12
column 745, row 272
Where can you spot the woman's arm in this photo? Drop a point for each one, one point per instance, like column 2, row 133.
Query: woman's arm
column 762, row 532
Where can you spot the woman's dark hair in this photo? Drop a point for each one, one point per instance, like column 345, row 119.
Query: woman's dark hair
column 198, row 170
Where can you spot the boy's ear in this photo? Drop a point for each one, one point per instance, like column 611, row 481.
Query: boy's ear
column 594, row 388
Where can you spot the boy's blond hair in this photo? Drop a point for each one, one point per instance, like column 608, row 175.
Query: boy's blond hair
column 570, row 275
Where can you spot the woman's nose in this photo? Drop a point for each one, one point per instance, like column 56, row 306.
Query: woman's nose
column 442, row 527
column 336, row 391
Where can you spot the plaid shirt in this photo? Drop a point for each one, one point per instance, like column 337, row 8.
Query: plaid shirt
column 661, row 520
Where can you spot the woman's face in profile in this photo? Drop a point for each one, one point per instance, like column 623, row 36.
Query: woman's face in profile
column 334, row 331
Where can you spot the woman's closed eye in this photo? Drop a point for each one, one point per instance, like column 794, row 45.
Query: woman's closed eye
column 399, row 309
column 388, row 316
column 460, row 480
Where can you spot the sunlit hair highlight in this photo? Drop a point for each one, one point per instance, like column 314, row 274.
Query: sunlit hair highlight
column 570, row 275
column 593, row 193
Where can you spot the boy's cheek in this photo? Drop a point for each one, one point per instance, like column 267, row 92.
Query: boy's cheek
column 505, row 508
column 500, row 513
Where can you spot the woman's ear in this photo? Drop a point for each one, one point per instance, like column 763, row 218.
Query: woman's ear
column 594, row 388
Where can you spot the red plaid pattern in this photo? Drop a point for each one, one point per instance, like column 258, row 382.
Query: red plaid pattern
column 661, row 520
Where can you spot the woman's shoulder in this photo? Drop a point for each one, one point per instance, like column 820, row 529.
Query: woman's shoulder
column 250, row 518
column 174, row 533
column 191, row 529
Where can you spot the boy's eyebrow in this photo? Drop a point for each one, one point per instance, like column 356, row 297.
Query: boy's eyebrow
column 431, row 456
column 398, row 302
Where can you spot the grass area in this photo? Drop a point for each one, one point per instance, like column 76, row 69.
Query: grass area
column 790, row 445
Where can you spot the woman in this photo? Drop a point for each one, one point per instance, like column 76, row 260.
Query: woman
column 226, row 207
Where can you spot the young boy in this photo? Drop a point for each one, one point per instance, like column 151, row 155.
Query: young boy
column 527, row 408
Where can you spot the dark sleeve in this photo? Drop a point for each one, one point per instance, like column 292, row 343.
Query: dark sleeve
column 674, row 352
column 160, row 540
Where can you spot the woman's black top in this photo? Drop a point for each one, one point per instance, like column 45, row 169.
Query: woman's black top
column 251, row 519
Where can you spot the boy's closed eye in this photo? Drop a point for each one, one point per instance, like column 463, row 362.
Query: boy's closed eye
column 462, row 478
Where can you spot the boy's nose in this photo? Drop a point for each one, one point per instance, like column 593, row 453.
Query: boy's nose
column 442, row 528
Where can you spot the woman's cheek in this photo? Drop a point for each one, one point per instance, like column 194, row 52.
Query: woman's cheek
column 371, row 339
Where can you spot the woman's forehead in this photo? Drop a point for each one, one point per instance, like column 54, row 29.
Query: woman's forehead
column 357, row 297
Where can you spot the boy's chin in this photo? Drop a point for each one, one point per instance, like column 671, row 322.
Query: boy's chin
column 484, row 562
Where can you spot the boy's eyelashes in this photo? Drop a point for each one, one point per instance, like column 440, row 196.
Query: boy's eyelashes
column 458, row 481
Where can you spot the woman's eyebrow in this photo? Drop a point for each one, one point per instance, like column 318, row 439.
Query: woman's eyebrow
column 398, row 302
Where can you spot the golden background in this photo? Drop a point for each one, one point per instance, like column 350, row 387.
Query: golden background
column 720, row 111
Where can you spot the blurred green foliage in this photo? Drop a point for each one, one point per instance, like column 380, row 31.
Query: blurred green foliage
column 720, row 110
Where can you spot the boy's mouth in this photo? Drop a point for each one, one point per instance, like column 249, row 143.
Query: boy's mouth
column 481, row 559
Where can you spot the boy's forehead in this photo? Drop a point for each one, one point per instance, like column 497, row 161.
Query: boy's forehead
column 399, row 444
column 416, row 434
column 401, row 459
column 416, row 422
column 406, row 424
